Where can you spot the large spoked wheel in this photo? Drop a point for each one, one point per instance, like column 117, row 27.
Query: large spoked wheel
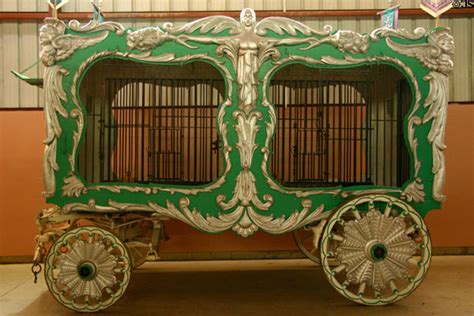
column 381, row 249
column 87, row 269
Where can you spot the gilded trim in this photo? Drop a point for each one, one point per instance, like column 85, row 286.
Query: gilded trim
column 74, row 187
column 244, row 220
column 54, row 96
column 328, row 60
column 436, row 55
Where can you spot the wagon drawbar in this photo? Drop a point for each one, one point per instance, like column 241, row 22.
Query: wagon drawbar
column 242, row 125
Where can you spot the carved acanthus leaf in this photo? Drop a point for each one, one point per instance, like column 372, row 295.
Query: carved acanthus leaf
column 212, row 24
column 400, row 33
column 76, row 136
column 73, row 186
column 54, row 96
column 245, row 190
column 281, row 25
column 247, row 129
column 346, row 194
column 437, row 103
column 282, row 224
column 231, row 49
column 244, row 220
column 245, row 227
column 267, row 50
column 95, row 26
column 414, row 192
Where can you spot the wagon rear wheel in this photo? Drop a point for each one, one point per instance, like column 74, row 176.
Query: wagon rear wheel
column 381, row 248
column 87, row 269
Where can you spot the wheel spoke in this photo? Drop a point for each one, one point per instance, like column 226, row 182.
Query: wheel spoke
column 414, row 261
column 339, row 268
column 356, row 214
column 393, row 286
column 410, row 230
column 361, row 289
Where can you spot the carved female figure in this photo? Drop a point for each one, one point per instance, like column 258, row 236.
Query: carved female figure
column 247, row 61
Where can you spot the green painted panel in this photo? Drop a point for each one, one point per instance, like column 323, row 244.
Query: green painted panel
column 246, row 197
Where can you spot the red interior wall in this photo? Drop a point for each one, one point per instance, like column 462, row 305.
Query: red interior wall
column 21, row 151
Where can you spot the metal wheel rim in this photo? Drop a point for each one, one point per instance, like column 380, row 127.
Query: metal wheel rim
column 122, row 270
column 327, row 241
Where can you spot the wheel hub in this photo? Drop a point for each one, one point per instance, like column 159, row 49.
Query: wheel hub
column 87, row 270
column 376, row 251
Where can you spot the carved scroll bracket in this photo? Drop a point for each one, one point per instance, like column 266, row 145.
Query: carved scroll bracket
column 436, row 55
column 245, row 191
column 56, row 45
column 244, row 220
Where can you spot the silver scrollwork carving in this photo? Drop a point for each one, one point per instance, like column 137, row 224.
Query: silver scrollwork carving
column 244, row 220
column 54, row 96
column 437, row 103
column 75, row 186
column 418, row 33
column 56, row 45
column 437, row 54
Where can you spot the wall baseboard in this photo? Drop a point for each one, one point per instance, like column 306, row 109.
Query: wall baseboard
column 246, row 255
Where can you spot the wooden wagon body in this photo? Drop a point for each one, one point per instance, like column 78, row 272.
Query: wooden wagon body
column 241, row 125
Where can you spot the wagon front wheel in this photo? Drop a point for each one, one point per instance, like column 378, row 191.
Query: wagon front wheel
column 87, row 269
column 375, row 250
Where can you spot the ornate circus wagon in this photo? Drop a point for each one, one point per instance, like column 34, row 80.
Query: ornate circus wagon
column 243, row 126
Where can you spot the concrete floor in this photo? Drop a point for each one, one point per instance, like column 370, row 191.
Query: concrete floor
column 265, row 287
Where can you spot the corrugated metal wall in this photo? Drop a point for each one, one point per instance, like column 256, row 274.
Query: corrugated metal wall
column 19, row 40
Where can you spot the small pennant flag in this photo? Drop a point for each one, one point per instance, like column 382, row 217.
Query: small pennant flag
column 57, row 4
column 389, row 17
column 98, row 16
column 436, row 7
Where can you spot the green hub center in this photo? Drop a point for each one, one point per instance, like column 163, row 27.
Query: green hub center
column 86, row 270
column 378, row 252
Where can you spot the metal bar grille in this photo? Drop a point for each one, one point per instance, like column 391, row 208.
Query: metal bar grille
column 334, row 131
column 154, row 130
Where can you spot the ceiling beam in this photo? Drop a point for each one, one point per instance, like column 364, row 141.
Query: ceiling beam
column 200, row 14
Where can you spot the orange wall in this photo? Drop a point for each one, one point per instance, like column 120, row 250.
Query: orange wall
column 21, row 148
column 452, row 226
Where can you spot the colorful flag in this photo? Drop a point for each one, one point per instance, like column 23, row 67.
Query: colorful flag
column 97, row 15
column 436, row 7
column 389, row 17
column 56, row 4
